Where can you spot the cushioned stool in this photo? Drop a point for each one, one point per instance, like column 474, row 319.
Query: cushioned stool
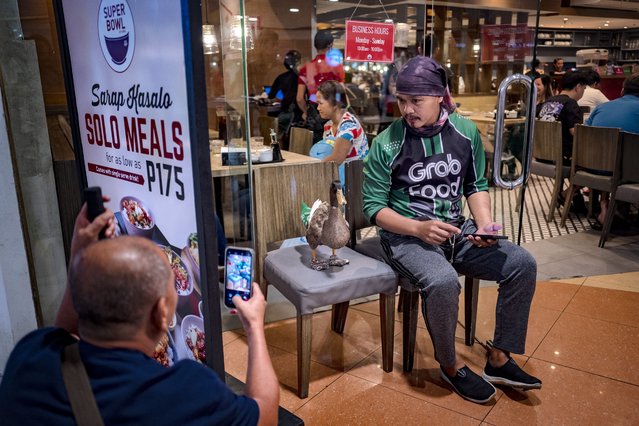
column 409, row 298
column 288, row 269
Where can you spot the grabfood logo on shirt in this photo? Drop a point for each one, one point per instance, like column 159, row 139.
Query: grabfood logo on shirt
column 419, row 172
column 116, row 33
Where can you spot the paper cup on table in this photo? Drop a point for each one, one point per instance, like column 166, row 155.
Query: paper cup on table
column 266, row 156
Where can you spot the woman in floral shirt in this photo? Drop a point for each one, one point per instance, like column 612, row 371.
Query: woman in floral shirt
column 342, row 130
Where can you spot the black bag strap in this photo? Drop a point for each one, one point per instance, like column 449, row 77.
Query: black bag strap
column 85, row 409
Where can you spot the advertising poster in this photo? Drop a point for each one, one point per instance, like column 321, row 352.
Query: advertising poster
column 506, row 42
column 127, row 60
column 369, row 41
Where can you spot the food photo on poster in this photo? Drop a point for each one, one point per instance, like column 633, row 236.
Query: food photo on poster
column 135, row 139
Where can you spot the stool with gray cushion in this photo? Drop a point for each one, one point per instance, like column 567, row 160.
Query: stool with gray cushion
column 409, row 294
column 288, row 270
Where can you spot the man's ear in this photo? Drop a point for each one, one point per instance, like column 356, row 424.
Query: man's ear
column 160, row 314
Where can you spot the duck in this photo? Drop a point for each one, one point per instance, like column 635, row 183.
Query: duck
column 326, row 225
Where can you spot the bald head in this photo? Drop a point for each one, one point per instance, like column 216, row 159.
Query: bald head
column 115, row 283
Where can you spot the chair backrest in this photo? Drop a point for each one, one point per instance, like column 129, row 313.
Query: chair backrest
column 547, row 141
column 629, row 156
column 354, row 182
column 595, row 148
column 301, row 140
column 279, row 191
column 266, row 124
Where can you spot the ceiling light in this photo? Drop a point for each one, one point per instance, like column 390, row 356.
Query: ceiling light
column 252, row 19
column 333, row 0
column 625, row 28
column 294, row 10
column 605, row 25
column 388, row 20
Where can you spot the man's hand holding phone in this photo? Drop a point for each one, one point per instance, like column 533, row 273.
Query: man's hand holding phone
column 251, row 311
column 486, row 235
column 87, row 230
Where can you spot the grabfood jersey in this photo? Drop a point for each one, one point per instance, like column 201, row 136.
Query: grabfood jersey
column 424, row 177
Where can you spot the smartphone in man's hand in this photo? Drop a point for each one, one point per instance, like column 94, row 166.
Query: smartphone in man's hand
column 238, row 274
column 95, row 205
column 487, row 236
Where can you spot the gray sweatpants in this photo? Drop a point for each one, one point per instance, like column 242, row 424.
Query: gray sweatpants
column 434, row 270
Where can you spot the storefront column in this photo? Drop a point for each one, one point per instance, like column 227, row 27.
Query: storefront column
column 36, row 191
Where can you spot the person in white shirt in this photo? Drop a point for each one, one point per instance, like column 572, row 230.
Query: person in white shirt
column 592, row 95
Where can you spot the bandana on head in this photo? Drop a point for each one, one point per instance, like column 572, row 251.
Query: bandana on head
column 423, row 76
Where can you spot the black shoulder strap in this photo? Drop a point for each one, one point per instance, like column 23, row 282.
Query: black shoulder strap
column 76, row 380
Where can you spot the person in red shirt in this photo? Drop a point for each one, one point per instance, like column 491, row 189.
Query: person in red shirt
column 327, row 65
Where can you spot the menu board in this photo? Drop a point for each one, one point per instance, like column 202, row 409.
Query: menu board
column 129, row 79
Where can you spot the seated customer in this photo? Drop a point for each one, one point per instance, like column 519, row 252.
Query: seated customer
column 415, row 176
column 592, row 95
column 565, row 109
column 622, row 113
column 544, row 89
column 124, row 296
column 342, row 129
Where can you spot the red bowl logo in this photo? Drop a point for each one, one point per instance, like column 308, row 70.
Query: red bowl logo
column 116, row 33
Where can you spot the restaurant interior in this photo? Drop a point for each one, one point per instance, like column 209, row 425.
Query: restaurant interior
column 584, row 327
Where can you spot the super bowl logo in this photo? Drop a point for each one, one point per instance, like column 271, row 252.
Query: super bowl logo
column 116, row 33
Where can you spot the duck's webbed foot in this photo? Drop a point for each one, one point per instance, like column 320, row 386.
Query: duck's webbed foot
column 318, row 265
column 336, row 261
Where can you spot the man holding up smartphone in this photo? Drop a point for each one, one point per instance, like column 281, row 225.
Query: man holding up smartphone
column 415, row 175
column 120, row 300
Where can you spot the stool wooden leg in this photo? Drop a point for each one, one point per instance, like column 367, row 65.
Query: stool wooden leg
column 338, row 316
column 304, row 328
column 471, row 294
column 409, row 328
column 400, row 304
column 387, row 320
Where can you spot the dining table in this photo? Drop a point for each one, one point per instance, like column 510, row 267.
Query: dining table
column 289, row 158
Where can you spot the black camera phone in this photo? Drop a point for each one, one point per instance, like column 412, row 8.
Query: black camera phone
column 95, row 205
column 238, row 274
column 488, row 236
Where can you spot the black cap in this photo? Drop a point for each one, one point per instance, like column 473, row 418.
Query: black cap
column 323, row 39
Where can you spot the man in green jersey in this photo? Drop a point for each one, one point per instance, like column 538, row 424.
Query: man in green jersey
column 415, row 175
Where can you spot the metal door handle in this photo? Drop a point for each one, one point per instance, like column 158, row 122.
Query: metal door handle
column 499, row 129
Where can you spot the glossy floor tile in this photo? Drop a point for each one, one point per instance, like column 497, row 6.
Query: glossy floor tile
column 606, row 304
column 424, row 381
column 354, row 401
column 341, row 352
column 568, row 397
column 600, row 347
column 285, row 365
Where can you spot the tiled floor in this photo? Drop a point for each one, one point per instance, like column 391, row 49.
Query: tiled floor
column 583, row 342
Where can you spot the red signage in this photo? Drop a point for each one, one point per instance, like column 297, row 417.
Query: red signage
column 369, row 41
column 506, row 42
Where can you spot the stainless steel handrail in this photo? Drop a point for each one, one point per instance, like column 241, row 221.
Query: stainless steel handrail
column 499, row 130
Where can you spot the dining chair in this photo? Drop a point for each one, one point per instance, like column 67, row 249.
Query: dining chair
column 409, row 294
column 595, row 162
column 548, row 161
column 300, row 140
column 628, row 185
column 278, row 197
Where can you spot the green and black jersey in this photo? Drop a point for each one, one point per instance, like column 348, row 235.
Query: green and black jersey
column 424, row 177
